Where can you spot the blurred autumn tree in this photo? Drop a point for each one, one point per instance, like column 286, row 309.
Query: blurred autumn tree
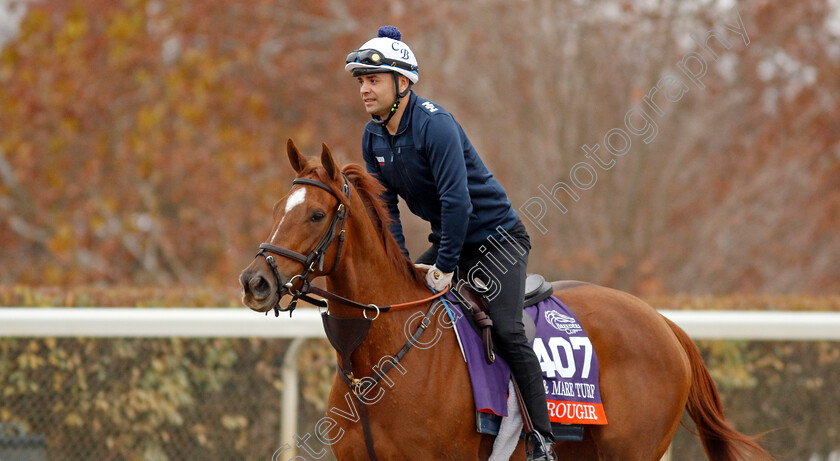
column 142, row 141
column 739, row 190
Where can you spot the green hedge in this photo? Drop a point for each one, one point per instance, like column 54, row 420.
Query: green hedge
column 151, row 399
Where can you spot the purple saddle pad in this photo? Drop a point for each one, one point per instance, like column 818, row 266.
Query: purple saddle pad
column 567, row 360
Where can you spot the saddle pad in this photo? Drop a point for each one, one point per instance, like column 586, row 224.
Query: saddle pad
column 489, row 382
column 488, row 423
column 567, row 359
column 569, row 365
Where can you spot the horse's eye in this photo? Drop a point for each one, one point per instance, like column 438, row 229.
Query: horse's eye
column 317, row 216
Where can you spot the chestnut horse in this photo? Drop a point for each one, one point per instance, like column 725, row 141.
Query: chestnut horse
column 650, row 371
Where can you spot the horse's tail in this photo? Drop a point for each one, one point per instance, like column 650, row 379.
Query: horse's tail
column 720, row 440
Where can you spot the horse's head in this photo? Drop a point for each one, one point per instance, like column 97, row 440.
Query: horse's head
column 306, row 235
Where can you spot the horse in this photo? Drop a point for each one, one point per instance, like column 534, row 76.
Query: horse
column 418, row 406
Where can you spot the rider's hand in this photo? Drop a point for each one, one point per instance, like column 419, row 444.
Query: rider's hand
column 425, row 267
column 437, row 279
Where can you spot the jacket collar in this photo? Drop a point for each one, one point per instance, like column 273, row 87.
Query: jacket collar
column 406, row 116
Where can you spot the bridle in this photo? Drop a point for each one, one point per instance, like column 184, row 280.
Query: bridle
column 339, row 219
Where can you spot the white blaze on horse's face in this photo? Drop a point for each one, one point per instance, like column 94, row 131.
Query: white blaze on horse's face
column 294, row 200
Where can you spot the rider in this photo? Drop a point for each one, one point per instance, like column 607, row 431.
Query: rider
column 417, row 150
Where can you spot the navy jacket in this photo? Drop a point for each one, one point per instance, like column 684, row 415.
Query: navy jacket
column 432, row 165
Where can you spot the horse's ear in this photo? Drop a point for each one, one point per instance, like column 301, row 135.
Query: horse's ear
column 297, row 160
column 328, row 162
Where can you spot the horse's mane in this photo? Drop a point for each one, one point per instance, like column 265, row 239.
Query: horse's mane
column 370, row 190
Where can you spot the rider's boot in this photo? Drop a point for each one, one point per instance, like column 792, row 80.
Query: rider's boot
column 538, row 447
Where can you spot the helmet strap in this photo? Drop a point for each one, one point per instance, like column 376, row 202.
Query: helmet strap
column 376, row 119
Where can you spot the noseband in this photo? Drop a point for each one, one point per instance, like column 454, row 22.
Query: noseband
column 339, row 218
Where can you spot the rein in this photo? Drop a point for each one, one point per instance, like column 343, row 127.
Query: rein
column 373, row 307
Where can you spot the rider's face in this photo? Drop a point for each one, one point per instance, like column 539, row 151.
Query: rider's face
column 377, row 91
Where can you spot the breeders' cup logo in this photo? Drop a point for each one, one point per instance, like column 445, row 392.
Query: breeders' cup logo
column 562, row 322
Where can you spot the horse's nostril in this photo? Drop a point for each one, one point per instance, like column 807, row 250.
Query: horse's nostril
column 259, row 286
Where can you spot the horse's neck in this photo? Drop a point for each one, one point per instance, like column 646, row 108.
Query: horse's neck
column 367, row 275
column 371, row 279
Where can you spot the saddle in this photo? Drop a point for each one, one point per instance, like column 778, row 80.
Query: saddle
column 474, row 303
column 537, row 289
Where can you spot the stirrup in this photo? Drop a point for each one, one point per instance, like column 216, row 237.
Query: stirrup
column 538, row 448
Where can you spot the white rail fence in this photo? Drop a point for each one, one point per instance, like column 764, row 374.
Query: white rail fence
column 306, row 323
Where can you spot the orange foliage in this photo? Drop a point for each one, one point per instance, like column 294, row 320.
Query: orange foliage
column 141, row 141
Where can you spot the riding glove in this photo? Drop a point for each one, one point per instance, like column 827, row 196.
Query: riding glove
column 437, row 279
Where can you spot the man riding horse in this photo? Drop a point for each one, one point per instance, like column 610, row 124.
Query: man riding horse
column 418, row 151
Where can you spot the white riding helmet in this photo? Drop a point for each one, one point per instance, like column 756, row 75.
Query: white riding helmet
column 385, row 53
